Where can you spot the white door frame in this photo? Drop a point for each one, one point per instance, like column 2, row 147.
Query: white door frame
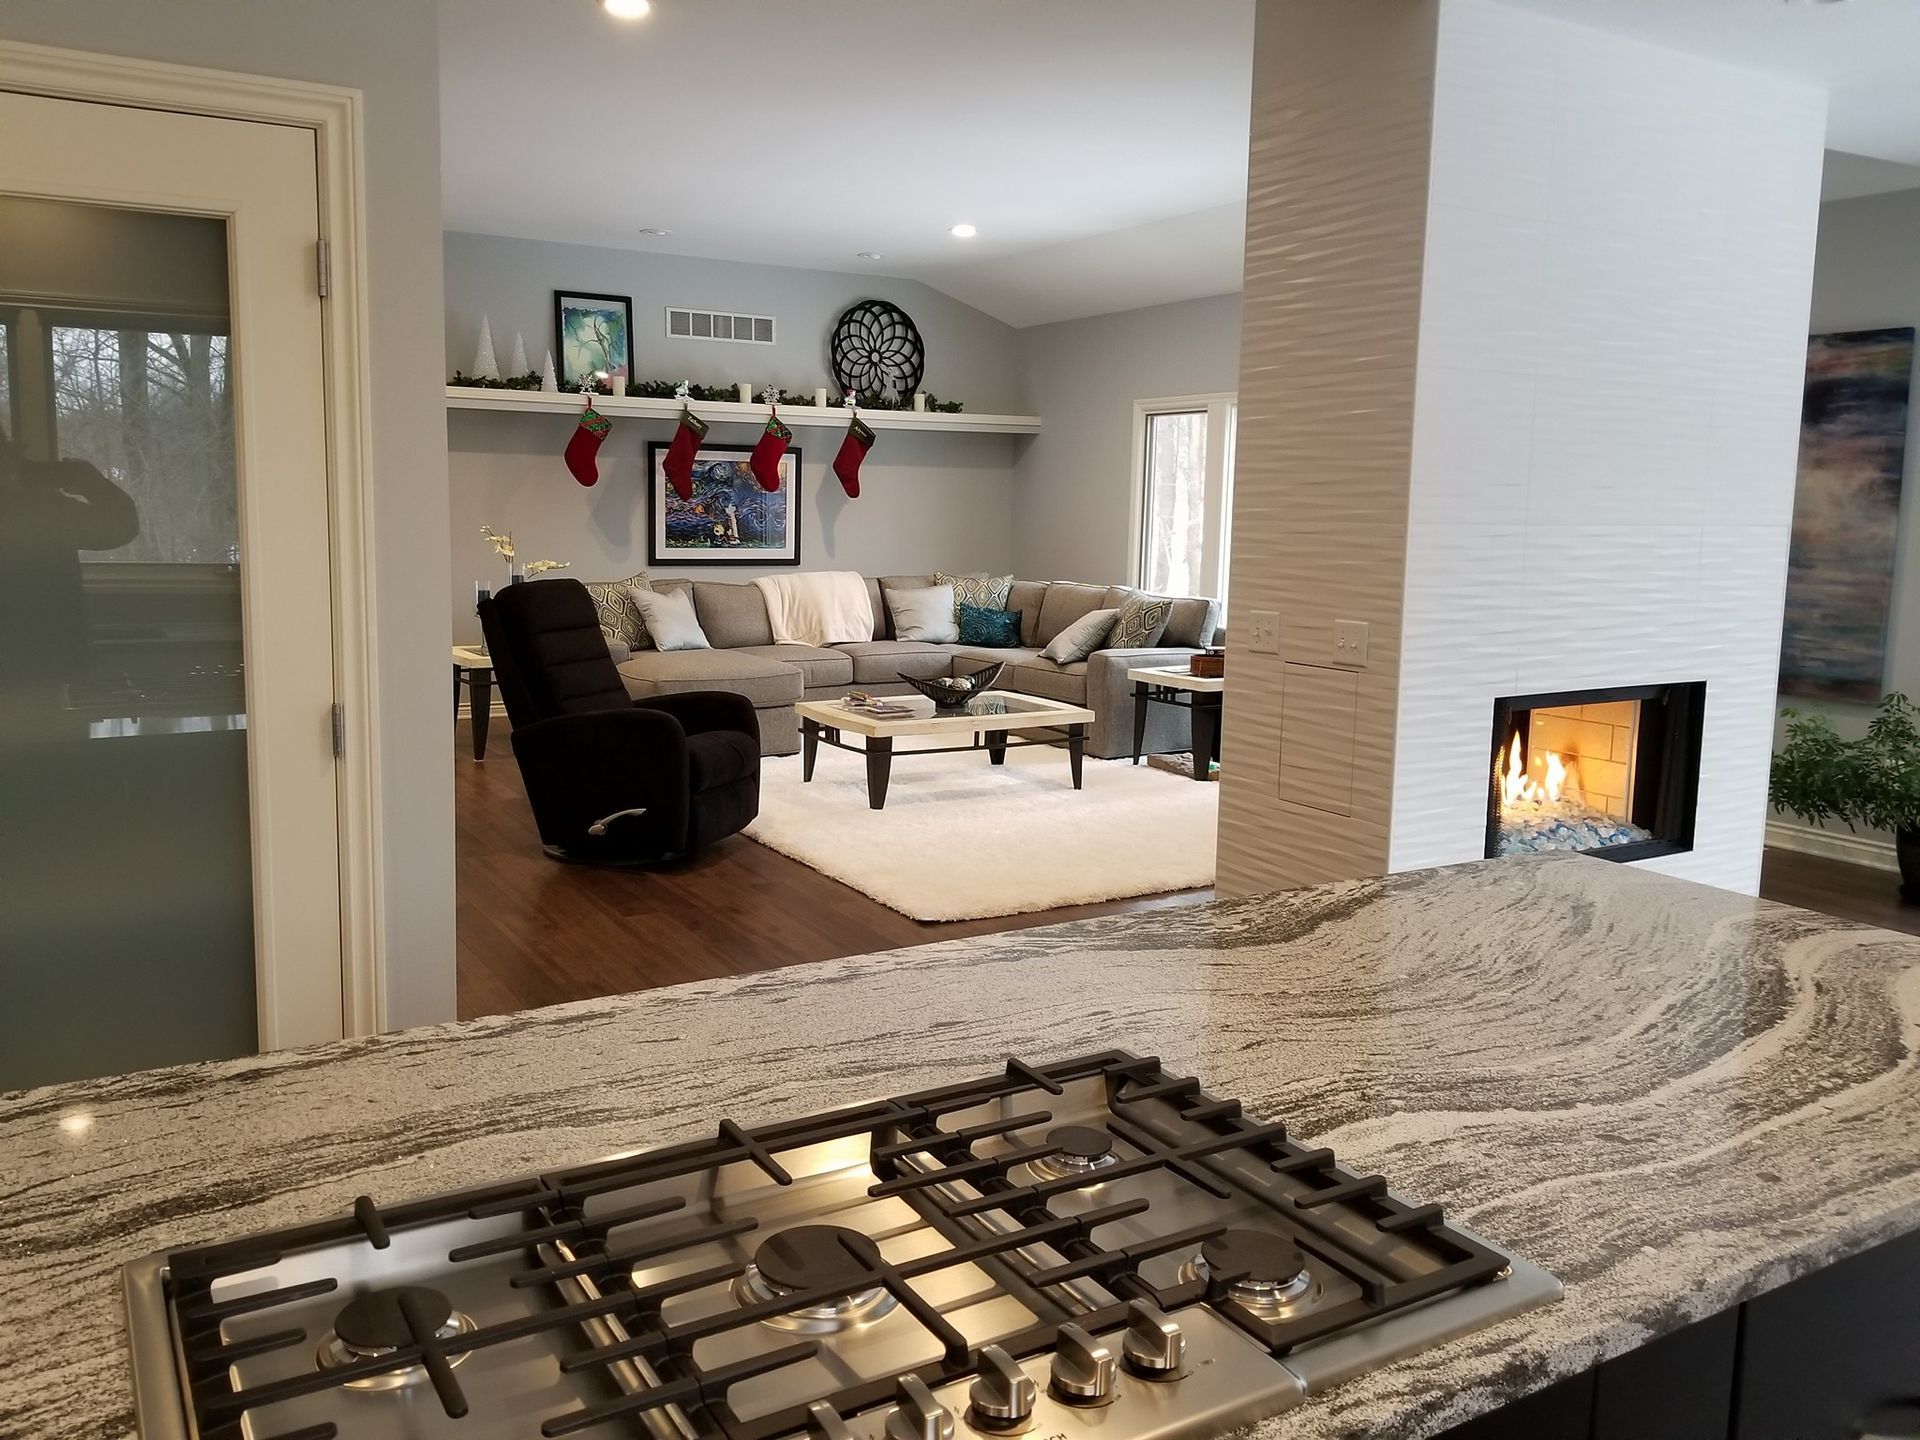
column 334, row 115
column 1219, row 405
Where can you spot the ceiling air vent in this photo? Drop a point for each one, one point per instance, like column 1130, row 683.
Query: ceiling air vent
column 718, row 325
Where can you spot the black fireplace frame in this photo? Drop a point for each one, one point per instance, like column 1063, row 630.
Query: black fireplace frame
column 1666, row 760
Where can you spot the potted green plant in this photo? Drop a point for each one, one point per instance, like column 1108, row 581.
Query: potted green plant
column 1872, row 781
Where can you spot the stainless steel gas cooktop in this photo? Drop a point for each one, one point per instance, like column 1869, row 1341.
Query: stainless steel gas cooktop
column 1090, row 1243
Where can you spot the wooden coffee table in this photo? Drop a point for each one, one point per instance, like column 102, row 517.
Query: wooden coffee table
column 987, row 722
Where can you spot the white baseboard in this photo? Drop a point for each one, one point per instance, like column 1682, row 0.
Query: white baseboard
column 1833, row 844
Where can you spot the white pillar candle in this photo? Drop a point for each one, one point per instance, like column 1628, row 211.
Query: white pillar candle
column 820, row 396
column 920, row 400
column 746, row 393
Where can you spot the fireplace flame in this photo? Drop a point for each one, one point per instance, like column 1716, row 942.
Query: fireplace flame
column 1517, row 786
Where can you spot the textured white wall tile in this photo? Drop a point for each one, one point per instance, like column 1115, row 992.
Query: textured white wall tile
column 1633, row 450
column 1476, row 456
column 1667, row 269
column 1482, row 297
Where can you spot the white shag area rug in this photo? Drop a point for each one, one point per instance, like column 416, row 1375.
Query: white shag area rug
column 961, row 839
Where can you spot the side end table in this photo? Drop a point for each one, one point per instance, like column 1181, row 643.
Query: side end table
column 473, row 667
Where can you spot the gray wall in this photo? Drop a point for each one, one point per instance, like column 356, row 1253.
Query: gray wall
column 1073, row 483
column 389, row 50
column 1867, row 275
column 970, row 356
column 927, row 500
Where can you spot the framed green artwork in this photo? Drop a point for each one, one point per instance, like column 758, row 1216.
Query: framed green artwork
column 594, row 339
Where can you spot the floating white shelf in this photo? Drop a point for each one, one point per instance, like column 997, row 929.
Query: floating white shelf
column 536, row 402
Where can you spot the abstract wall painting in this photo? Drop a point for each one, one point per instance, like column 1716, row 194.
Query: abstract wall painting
column 1846, row 513
column 729, row 520
column 595, row 338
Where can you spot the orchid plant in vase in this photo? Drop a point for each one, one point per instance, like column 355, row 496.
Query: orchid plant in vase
column 502, row 542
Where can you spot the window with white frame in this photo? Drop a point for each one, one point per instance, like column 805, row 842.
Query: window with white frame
column 1183, row 485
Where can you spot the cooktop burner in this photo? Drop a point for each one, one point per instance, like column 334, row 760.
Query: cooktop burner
column 1254, row 1268
column 1075, row 1150
column 814, row 1257
column 377, row 1323
column 374, row 1321
column 1088, row 1244
column 832, row 1263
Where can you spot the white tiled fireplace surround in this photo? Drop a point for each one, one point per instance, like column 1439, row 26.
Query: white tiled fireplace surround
column 1612, row 349
column 1552, row 329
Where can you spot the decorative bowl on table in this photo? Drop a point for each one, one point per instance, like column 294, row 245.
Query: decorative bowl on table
column 951, row 693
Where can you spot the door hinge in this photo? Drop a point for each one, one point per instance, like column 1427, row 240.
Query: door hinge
column 323, row 266
column 339, row 731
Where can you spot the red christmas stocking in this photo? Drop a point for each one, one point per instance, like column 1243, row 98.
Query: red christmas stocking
column 853, row 450
column 678, row 466
column 772, row 444
column 585, row 444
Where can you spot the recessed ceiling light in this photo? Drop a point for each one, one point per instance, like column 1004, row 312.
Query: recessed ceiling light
column 869, row 255
column 963, row 232
column 649, row 230
column 626, row 9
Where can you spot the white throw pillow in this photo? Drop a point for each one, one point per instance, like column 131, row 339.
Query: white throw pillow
column 925, row 614
column 1081, row 638
column 670, row 619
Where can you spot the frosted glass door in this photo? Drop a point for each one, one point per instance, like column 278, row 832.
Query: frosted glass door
column 148, row 749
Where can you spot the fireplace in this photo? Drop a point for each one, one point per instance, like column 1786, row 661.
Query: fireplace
column 1613, row 772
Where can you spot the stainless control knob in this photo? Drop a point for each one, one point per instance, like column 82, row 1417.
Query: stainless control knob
column 918, row 1416
column 1004, row 1395
column 1084, row 1371
column 825, row 1423
column 1154, row 1347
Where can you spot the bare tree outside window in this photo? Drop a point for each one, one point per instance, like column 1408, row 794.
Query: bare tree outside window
column 154, row 411
column 1176, row 502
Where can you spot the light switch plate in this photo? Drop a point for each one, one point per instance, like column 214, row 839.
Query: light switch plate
column 1350, row 643
column 1264, row 632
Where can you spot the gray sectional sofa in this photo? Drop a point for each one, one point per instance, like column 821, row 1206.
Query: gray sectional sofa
column 746, row 661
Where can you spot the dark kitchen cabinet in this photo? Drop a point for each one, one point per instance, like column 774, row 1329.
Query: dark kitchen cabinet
column 1562, row 1411
column 1679, row 1387
column 1836, row 1354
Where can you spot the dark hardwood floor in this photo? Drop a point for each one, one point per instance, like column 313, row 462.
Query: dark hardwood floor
column 1852, row 892
column 533, row 932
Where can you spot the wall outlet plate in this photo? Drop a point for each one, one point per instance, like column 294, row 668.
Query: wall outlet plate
column 1350, row 643
column 1263, row 632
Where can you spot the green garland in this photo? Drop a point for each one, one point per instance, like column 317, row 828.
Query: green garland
column 528, row 381
column 711, row 394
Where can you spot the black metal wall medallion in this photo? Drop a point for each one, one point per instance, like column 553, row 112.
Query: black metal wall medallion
column 877, row 347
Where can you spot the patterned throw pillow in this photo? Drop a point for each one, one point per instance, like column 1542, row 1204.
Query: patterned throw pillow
column 983, row 592
column 1140, row 624
column 996, row 629
column 619, row 616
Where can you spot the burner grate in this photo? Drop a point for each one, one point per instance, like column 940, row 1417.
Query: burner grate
column 962, row 1182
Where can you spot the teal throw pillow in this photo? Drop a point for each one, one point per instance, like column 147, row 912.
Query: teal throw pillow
column 996, row 629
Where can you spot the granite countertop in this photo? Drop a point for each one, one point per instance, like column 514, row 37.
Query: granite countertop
column 1672, row 1097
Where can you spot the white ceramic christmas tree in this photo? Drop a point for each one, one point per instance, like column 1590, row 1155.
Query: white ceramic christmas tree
column 485, row 367
column 549, row 382
column 517, row 364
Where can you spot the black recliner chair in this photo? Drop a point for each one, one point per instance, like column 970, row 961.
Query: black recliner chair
column 612, row 780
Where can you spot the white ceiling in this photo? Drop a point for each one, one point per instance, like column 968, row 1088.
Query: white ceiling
column 1848, row 177
column 1866, row 52
column 1099, row 145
